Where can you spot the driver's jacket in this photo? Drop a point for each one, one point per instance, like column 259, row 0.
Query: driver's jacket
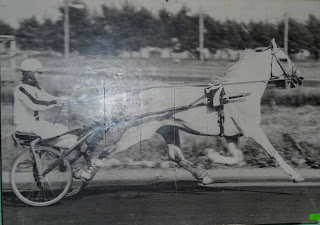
column 28, row 102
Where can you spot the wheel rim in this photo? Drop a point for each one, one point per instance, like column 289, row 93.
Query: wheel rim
column 34, row 189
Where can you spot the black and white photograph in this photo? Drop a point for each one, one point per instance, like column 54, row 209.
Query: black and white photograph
column 160, row 112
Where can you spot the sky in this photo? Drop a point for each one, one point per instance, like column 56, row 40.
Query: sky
column 12, row 11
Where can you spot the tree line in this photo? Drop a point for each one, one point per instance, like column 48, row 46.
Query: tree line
column 131, row 29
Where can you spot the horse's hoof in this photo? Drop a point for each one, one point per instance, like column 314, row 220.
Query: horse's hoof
column 297, row 179
column 207, row 180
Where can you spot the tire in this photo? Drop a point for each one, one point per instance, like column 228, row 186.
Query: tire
column 78, row 163
column 33, row 191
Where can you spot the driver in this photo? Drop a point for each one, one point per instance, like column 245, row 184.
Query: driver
column 30, row 99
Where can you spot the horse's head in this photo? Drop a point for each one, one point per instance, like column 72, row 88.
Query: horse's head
column 283, row 67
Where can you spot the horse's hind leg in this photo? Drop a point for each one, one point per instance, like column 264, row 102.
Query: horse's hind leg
column 176, row 155
column 233, row 147
column 171, row 136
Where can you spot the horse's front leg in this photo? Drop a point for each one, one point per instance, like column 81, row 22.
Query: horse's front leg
column 175, row 154
column 233, row 147
column 256, row 134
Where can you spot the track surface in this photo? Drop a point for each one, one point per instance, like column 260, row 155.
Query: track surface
column 182, row 202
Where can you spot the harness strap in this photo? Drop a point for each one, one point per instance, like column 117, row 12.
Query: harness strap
column 273, row 54
column 220, row 110
column 216, row 102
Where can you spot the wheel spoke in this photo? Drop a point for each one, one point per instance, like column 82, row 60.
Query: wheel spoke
column 39, row 191
column 31, row 192
column 26, row 186
column 49, row 190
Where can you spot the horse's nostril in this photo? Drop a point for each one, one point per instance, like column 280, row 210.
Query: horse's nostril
column 301, row 78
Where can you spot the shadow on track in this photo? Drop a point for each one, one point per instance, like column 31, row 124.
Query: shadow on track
column 124, row 191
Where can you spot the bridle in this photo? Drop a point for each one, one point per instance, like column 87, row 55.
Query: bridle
column 292, row 78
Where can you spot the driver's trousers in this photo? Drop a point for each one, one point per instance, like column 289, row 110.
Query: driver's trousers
column 45, row 129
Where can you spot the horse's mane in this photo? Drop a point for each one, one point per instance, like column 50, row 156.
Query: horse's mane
column 249, row 66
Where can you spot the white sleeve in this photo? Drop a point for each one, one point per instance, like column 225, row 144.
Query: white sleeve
column 47, row 97
column 32, row 101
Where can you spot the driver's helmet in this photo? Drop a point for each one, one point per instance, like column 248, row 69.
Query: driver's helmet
column 31, row 65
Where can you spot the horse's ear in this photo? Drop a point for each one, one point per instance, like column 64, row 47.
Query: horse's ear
column 273, row 44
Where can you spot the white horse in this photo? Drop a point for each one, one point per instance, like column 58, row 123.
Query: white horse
column 250, row 74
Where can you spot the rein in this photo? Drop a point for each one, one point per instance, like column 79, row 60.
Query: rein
column 255, row 81
column 223, row 83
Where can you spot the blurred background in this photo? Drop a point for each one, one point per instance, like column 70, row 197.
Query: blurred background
column 89, row 47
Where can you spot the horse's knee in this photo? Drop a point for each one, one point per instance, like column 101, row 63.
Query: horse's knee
column 175, row 153
column 237, row 154
column 171, row 154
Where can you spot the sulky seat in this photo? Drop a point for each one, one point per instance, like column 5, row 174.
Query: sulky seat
column 23, row 138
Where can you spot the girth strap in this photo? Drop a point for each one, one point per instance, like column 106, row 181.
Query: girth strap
column 220, row 110
column 215, row 101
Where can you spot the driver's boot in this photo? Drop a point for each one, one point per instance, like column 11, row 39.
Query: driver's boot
column 88, row 174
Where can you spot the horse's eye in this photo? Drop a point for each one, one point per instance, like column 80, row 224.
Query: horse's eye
column 283, row 60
